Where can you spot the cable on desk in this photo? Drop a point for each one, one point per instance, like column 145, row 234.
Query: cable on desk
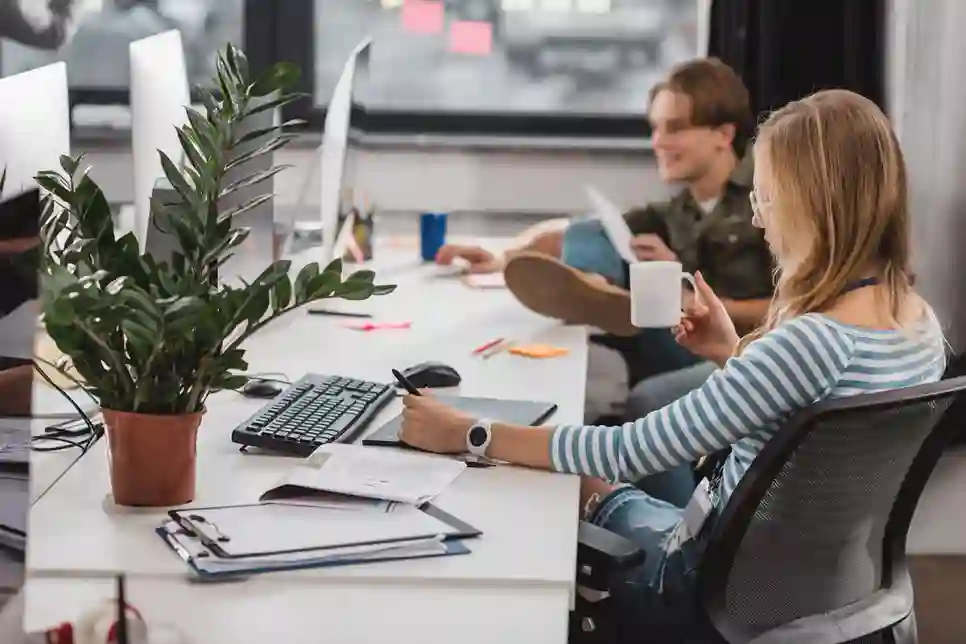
column 65, row 437
column 276, row 377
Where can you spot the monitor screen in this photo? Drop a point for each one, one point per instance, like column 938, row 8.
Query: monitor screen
column 19, row 237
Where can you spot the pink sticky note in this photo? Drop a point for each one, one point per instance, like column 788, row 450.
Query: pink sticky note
column 422, row 16
column 471, row 37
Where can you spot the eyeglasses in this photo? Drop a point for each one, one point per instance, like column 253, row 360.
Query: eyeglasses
column 757, row 206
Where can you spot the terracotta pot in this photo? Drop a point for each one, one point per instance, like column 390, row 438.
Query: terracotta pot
column 152, row 457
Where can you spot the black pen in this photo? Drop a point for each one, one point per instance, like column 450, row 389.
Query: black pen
column 340, row 314
column 408, row 386
column 122, row 636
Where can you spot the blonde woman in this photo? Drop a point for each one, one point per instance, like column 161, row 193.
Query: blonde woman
column 830, row 192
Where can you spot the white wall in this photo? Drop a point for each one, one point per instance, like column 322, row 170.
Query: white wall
column 448, row 178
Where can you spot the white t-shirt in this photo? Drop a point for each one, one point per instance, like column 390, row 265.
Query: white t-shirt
column 708, row 206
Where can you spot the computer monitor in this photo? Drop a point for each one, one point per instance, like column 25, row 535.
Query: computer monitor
column 34, row 124
column 160, row 92
column 335, row 145
column 19, row 238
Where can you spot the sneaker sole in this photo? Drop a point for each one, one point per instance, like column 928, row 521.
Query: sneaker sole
column 548, row 287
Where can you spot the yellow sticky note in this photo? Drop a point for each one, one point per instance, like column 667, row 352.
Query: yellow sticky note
column 539, row 351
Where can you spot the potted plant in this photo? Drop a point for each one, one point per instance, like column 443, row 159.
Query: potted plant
column 152, row 338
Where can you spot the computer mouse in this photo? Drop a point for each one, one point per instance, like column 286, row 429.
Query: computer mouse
column 432, row 375
column 258, row 388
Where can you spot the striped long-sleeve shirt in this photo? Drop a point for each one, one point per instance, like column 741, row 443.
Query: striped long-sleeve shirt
column 742, row 405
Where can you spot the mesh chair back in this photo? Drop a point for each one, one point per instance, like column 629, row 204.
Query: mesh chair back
column 812, row 542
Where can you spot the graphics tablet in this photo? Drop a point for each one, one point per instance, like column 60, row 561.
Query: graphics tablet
column 513, row 412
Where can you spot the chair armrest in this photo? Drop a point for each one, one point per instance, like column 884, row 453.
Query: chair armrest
column 601, row 553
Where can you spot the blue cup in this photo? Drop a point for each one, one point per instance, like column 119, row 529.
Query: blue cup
column 432, row 234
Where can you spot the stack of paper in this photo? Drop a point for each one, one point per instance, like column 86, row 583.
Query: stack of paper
column 344, row 504
column 356, row 470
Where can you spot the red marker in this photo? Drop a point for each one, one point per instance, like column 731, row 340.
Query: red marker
column 488, row 345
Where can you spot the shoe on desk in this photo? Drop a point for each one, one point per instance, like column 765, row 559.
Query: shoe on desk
column 549, row 287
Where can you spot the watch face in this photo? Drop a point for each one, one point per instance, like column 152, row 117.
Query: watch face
column 477, row 436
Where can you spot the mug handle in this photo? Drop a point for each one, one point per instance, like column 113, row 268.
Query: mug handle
column 689, row 278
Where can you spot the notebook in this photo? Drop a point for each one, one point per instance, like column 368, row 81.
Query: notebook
column 514, row 412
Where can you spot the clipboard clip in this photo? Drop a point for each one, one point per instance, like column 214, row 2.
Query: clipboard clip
column 219, row 535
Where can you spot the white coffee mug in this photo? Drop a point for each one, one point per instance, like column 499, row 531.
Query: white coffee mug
column 656, row 296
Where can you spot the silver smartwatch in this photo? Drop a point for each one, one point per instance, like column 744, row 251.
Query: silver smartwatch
column 478, row 437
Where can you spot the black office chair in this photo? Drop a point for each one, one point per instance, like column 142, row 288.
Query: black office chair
column 810, row 548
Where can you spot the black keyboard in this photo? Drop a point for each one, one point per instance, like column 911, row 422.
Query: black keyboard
column 313, row 411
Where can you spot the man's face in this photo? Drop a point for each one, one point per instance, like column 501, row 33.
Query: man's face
column 684, row 152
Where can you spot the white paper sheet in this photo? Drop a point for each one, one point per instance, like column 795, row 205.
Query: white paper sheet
column 484, row 280
column 375, row 473
column 614, row 224
column 276, row 528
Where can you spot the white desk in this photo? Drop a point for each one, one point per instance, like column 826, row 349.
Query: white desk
column 523, row 565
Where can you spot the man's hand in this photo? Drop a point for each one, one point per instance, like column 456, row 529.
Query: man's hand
column 479, row 259
column 651, row 248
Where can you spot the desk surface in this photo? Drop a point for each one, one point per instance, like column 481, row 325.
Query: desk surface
column 344, row 613
column 529, row 518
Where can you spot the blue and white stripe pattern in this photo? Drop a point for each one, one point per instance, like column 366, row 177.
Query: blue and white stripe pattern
column 804, row 360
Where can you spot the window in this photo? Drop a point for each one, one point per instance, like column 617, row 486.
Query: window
column 543, row 58
column 97, row 54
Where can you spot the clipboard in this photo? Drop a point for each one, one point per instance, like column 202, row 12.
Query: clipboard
column 205, row 567
column 279, row 528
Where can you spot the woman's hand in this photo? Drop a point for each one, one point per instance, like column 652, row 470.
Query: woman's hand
column 430, row 425
column 706, row 328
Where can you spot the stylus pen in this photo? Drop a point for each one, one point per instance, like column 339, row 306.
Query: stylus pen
column 340, row 314
column 408, row 386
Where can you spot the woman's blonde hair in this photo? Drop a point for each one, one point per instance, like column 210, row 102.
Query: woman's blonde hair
column 839, row 187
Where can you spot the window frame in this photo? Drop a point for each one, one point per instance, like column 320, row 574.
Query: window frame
column 286, row 31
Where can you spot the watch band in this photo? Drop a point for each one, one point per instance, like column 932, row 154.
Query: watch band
column 478, row 437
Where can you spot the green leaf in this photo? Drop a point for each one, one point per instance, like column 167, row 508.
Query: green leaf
column 191, row 151
column 233, row 360
column 208, row 135
column 322, row 286
column 209, row 101
column 305, row 276
column 231, row 57
column 251, row 204
column 69, row 164
column 233, row 383
column 383, row 289
column 279, row 77
column 281, row 294
column 252, row 180
column 364, row 276
column 256, row 306
column 261, row 132
column 184, row 306
column 176, row 179
column 335, row 266
column 268, row 148
column 274, row 104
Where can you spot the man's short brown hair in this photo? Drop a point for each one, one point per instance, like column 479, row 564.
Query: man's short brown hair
column 718, row 97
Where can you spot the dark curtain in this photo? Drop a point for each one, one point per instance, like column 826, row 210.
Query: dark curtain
column 787, row 49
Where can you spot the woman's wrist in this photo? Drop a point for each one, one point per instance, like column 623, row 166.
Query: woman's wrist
column 725, row 352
